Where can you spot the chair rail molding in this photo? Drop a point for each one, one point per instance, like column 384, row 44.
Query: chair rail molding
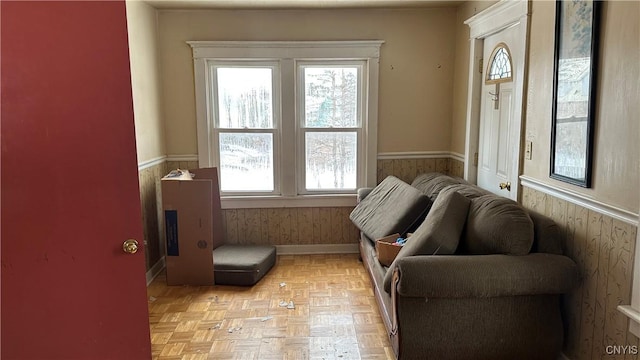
column 582, row 200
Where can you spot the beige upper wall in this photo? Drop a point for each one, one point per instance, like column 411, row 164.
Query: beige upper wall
column 461, row 76
column 145, row 80
column 617, row 131
column 416, row 64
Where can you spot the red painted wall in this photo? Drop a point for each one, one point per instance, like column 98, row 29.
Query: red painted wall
column 69, row 191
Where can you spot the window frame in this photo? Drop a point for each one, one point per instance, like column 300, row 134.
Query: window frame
column 287, row 53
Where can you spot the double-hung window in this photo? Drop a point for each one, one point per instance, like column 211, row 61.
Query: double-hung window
column 330, row 127
column 287, row 123
column 245, row 131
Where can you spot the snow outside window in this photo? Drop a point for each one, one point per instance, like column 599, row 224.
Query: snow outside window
column 288, row 121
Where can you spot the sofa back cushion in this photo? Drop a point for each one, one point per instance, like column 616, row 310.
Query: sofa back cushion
column 439, row 233
column 391, row 207
column 432, row 183
column 497, row 225
column 469, row 191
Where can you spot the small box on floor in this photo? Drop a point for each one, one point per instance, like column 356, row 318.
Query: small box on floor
column 387, row 249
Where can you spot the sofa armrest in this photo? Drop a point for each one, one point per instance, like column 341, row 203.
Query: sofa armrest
column 362, row 193
column 462, row 276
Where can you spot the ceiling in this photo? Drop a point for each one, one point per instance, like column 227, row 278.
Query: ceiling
column 298, row 4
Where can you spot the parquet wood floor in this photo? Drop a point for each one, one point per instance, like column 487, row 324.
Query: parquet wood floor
column 335, row 315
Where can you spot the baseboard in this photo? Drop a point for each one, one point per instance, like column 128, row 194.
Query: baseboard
column 317, row 249
column 563, row 357
column 155, row 270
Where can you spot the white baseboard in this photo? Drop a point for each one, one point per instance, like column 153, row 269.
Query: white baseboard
column 155, row 270
column 317, row 249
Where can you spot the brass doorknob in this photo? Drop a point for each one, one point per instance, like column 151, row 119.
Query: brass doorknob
column 130, row 246
column 506, row 185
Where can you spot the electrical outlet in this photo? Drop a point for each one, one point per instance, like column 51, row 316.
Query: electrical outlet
column 528, row 149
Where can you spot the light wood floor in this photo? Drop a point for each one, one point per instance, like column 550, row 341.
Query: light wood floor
column 335, row 315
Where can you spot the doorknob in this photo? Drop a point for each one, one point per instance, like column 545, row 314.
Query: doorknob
column 506, row 185
column 130, row 246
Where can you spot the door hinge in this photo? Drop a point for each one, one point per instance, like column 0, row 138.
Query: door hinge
column 480, row 65
column 475, row 159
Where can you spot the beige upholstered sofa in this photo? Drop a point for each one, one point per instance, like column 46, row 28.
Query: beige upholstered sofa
column 480, row 278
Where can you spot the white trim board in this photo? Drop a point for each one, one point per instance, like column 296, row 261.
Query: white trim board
column 155, row 270
column 420, row 155
column 151, row 162
column 187, row 157
column 579, row 199
column 317, row 249
column 381, row 156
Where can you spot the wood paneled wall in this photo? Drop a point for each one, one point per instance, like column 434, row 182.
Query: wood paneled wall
column 603, row 248
column 290, row 226
column 408, row 169
column 152, row 216
column 277, row 226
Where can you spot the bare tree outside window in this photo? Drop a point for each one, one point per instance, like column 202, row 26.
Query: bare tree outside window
column 331, row 122
column 245, row 101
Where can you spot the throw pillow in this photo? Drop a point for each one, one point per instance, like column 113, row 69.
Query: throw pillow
column 439, row 233
column 391, row 207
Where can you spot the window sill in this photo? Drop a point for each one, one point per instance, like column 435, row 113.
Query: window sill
column 265, row 202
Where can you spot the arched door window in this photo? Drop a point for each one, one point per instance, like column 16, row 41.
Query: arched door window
column 499, row 70
column 499, row 67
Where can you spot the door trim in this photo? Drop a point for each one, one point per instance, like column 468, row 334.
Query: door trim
column 502, row 15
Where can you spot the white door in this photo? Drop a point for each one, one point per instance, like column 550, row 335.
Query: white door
column 499, row 136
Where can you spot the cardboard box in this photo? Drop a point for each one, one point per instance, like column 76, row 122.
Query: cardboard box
column 385, row 250
column 193, row 224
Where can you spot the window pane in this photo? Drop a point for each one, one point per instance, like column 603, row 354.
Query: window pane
column 500, row 65
column 330, row 160
column 331, row 97
column 245, row 98
column 246, row 162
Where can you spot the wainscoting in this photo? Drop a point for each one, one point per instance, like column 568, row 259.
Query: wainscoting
column 407, row 169
column 152, row 218
column 276, row 226
column 603, row 248
column 290, row 226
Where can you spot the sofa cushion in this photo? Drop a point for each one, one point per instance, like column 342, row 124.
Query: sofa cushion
column 391, row 207
column 432, row 183
column 439, row 233
column 497, row 225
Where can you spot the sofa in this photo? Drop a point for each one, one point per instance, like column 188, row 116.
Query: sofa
column 480, row 277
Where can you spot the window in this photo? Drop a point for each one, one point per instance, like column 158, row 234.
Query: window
column 291, row 122
column 500, row 65
column 244, row 126
column 331, row 125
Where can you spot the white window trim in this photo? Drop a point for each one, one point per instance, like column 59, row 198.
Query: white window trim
column 367, row 50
